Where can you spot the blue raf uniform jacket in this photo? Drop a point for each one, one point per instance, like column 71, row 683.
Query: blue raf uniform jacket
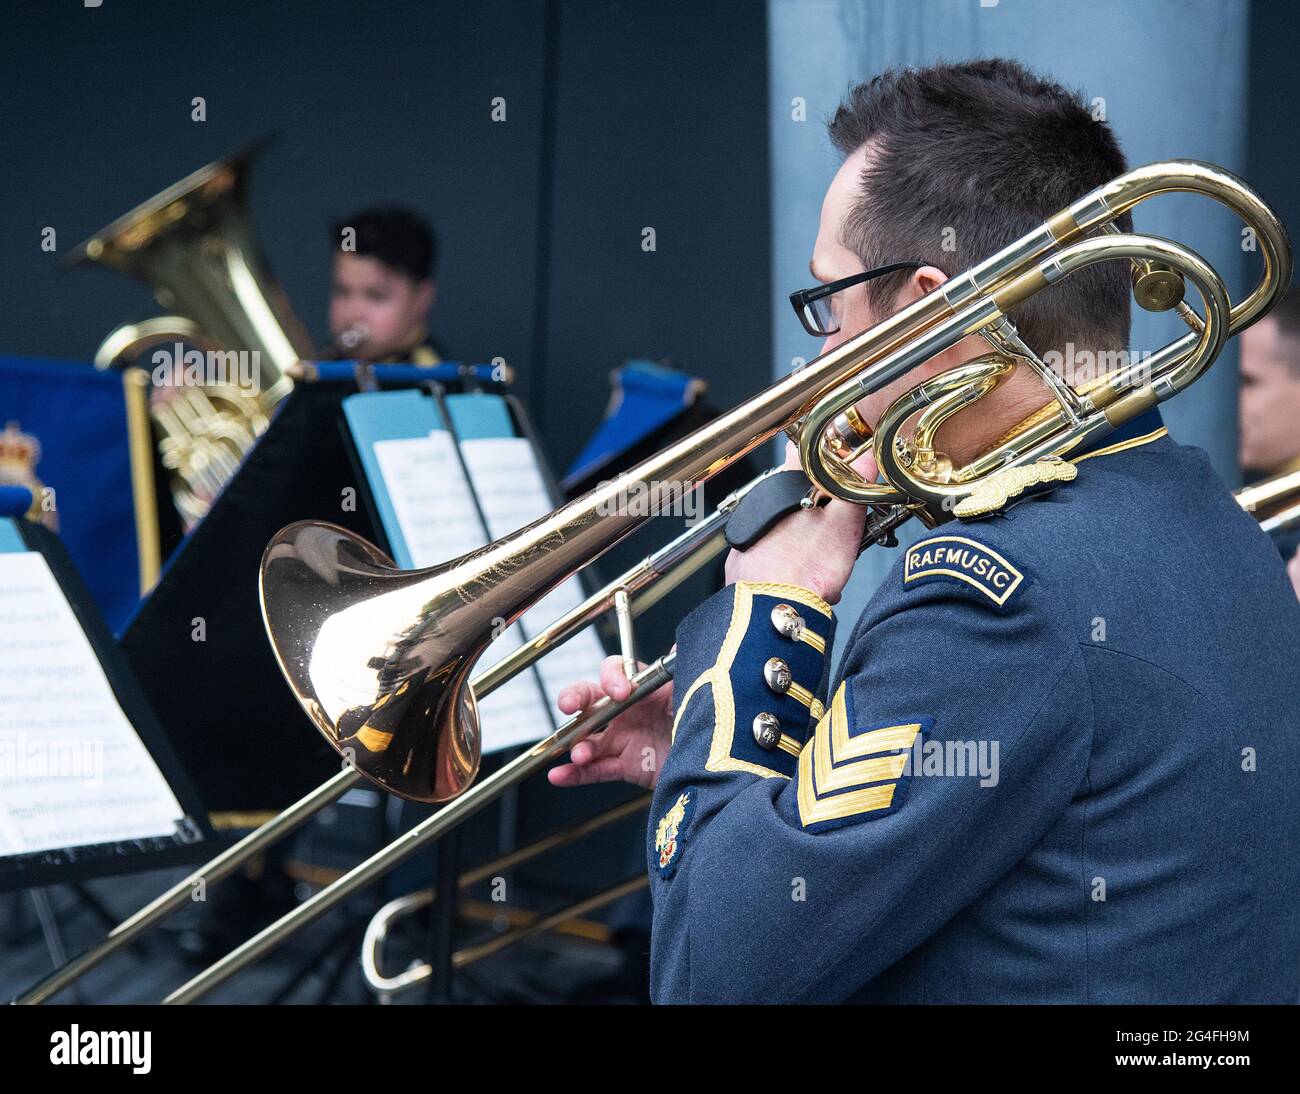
column 1060, row 763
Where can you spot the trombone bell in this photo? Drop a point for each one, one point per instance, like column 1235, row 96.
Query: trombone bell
column 393, row 698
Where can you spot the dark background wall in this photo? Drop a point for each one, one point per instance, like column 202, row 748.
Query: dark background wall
column 620, row 116
column 1274, row 108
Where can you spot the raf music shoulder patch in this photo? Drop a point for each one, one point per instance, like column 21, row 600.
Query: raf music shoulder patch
column 956, row 558
column 671, row 831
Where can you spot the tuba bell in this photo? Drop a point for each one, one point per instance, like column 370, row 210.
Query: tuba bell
column 193, row 244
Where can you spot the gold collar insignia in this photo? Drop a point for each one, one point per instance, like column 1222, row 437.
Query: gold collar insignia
column 1001, row 487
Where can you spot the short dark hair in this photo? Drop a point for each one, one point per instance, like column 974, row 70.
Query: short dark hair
column 1287, row 312
column 975, row 155
column 399, row 238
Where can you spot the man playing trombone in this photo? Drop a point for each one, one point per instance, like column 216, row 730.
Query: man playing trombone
column 1056, row 763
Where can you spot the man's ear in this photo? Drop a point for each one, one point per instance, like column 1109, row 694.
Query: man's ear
column 926, row 280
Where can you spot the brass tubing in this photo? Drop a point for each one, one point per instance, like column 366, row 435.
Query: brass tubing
column 642, row 581
column 144, row 496
column 381, row 924
column 1275, row 502
column 562, row 838
column 1283, row 520
column 525, row 925
column 453, row 604
column 1264, row 495
column 380, row 658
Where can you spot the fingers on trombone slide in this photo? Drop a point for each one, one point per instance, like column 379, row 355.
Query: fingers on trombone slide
column 583, row 693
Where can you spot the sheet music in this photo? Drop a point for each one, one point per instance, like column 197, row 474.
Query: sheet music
column 512, row 493
column 439, row 521
column 73, row 770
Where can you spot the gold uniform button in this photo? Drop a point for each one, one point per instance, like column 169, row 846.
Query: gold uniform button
column 767, row 731
column 777, row 674
column 787, row 621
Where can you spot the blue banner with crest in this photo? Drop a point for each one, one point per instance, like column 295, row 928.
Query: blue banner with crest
column 63, row 435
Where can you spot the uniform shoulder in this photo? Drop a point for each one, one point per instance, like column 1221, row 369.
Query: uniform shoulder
column 964, row 590
column 1033, row 535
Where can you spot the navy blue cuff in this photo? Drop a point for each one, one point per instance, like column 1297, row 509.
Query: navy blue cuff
column 763, row 650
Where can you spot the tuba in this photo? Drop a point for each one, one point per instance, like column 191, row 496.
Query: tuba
column 193, row 244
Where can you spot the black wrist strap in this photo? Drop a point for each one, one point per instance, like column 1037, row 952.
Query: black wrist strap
column 776, row 497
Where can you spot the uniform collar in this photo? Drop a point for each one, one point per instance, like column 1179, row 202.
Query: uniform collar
column 1145, row 428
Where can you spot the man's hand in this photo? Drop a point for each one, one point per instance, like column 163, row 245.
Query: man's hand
column 632, row 747
column 814, row 549
column 1293, row 571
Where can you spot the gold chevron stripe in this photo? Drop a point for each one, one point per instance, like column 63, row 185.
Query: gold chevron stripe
column 888, row 739
column 819, row 778
column 843, row 747
column 813, row 810
column 830, row 747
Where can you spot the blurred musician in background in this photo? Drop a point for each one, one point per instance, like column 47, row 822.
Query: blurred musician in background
column 1270, row 406
column 383, row 288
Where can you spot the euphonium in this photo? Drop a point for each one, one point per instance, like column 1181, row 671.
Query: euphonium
column 193, row 244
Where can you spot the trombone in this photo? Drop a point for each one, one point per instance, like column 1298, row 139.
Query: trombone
column 380, row 659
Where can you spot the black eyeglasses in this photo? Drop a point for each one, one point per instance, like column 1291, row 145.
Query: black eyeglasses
column 813, row 306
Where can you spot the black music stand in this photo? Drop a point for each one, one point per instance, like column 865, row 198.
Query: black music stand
column 197, row 644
